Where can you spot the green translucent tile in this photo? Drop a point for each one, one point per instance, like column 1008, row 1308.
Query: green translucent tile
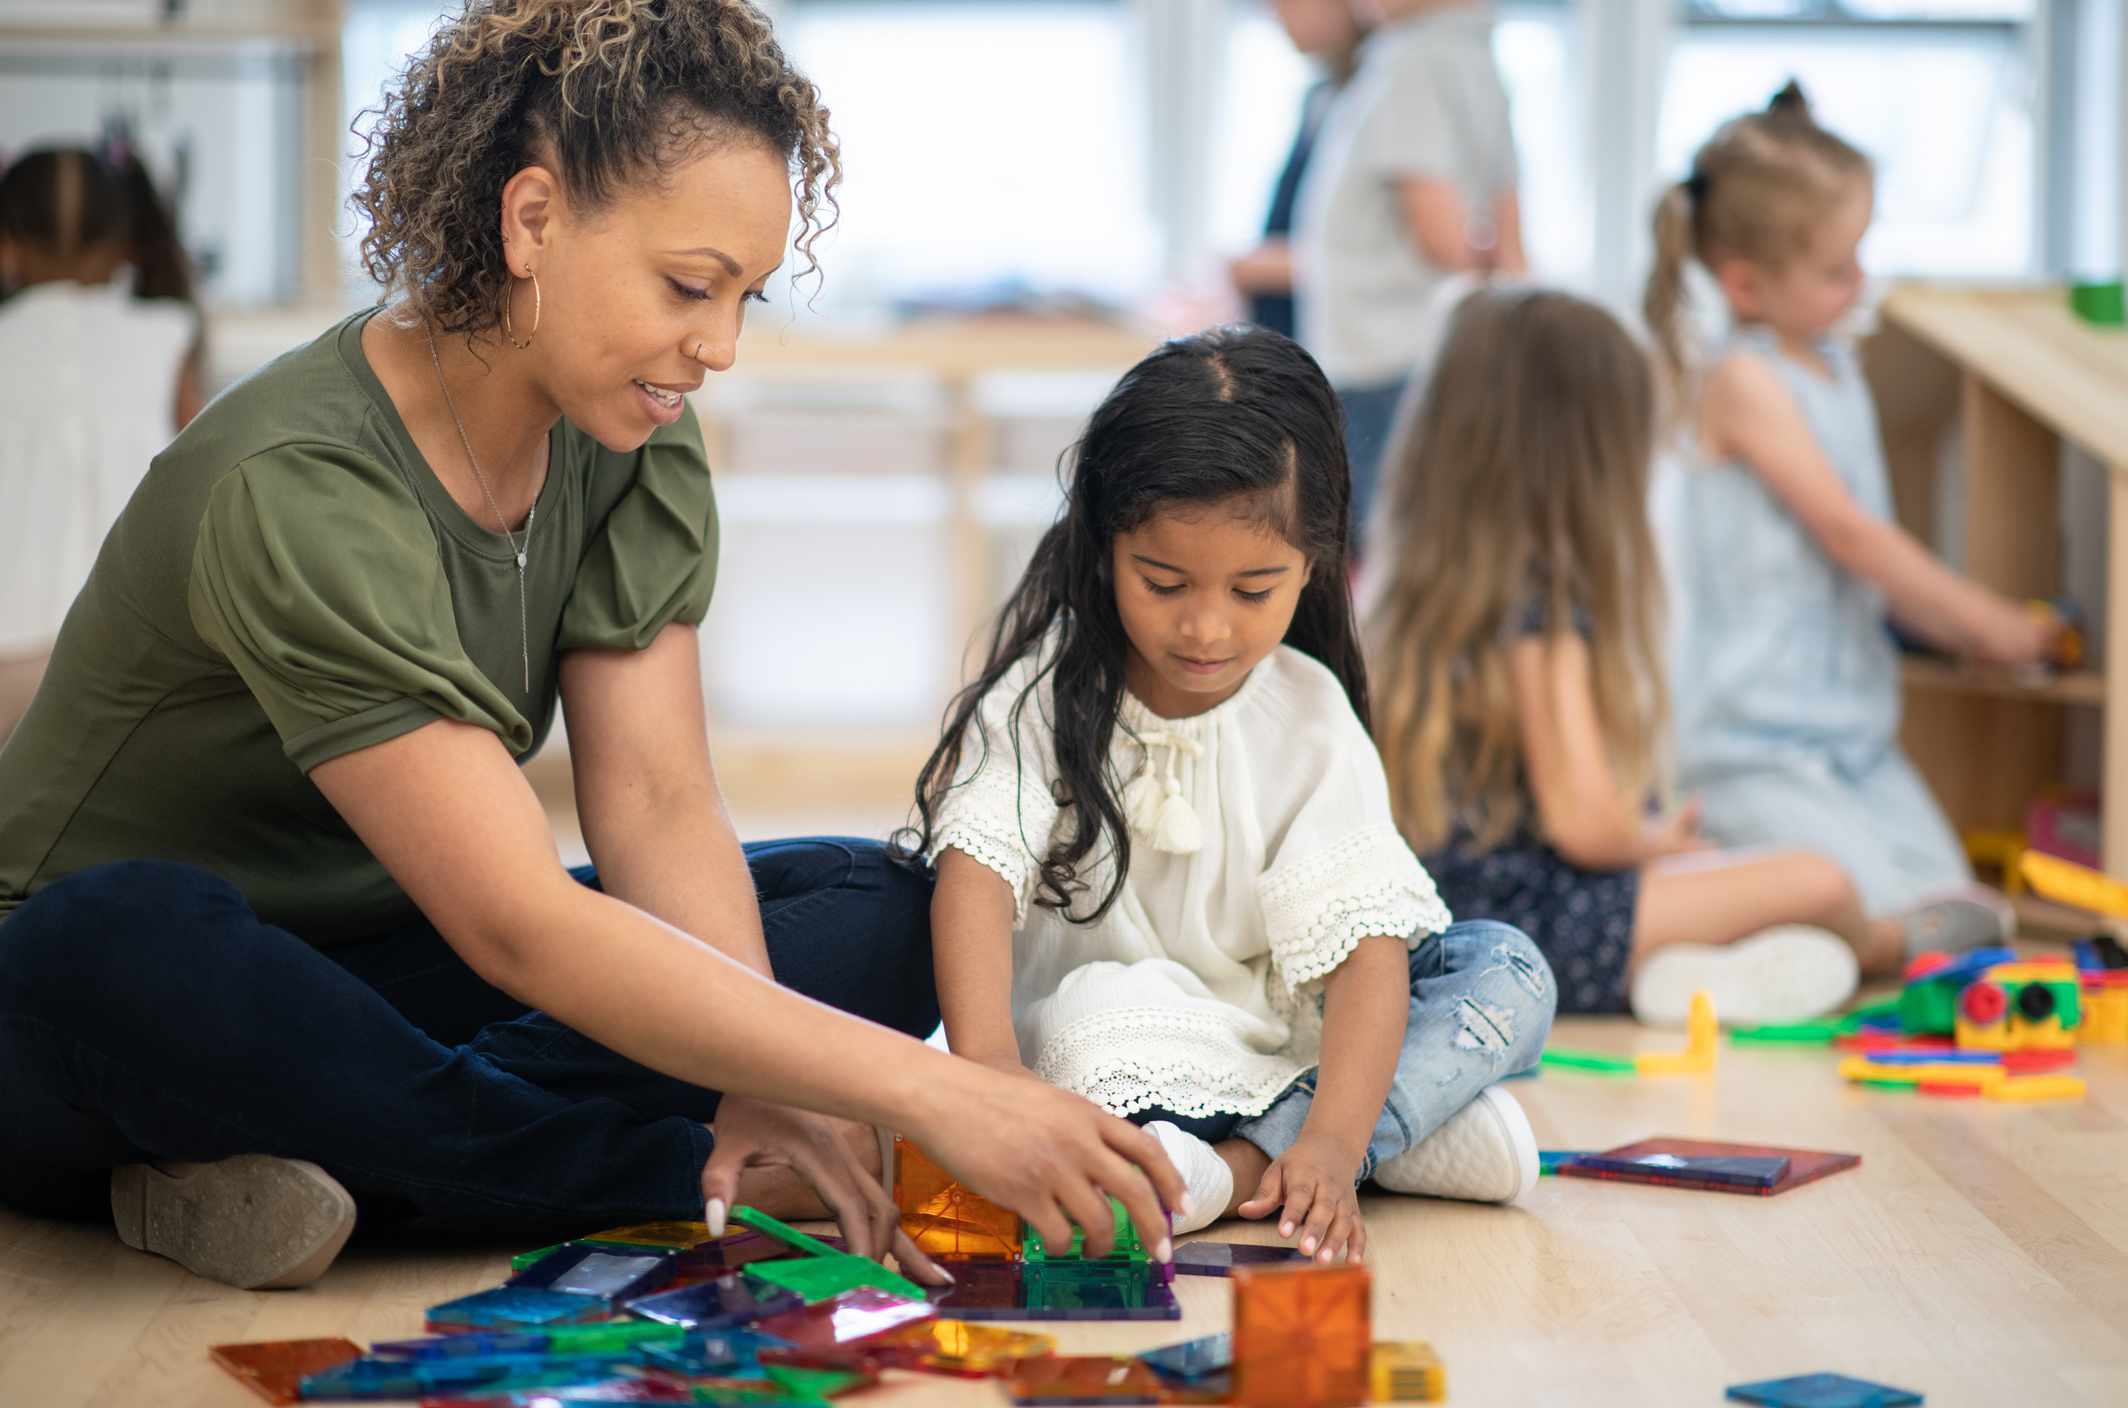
column 814, row 1279
column 1128, row 1247
column 814, row 1384
column 1589, row 1061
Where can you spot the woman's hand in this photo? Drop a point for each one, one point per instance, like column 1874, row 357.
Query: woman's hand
column 1050, row 1156
column 756, row 1134
column 1314, row 1181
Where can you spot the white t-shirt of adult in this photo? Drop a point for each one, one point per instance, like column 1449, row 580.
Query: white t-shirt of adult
column 1427, row 102
column 89, row 398
column 1199, row 991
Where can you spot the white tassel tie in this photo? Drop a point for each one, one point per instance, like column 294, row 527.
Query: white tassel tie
column 1153, row 804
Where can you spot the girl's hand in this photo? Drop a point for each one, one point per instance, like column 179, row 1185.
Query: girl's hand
column 1052, row 1157
column 757, row 1134
column 1313, row 1181
column 1676, row 833
column 2023, row 636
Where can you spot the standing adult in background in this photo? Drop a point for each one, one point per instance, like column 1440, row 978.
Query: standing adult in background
column 1328, row 32
column 102, row 369
column 283, row 931
column 1413, row 185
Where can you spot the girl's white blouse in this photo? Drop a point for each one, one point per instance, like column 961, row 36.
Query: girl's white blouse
column 1200, row 990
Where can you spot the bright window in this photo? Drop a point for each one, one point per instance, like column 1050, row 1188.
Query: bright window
column 1939, row 93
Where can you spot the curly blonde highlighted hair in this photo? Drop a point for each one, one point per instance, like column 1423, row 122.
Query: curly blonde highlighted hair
column 609, row 92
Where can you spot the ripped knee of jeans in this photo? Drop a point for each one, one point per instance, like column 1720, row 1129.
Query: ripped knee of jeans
column 1510, row 1019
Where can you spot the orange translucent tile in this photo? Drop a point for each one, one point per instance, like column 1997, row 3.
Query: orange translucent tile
column 680, row 1236
column 957, row 1347
column 1084, row 1379
column 273, row 1369
column 943, row 1218
column 1303, row 1337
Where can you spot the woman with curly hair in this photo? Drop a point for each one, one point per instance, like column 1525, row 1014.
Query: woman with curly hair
column 282, row 927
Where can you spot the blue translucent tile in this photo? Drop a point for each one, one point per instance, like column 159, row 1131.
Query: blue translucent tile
column 1193, row 1359
column 1823, row 1391
column 607, row 1273
column 514, row 1307
column 1220, row 1258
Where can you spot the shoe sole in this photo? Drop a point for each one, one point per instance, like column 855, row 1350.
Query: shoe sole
column 1753, row 980
column 253, row 1221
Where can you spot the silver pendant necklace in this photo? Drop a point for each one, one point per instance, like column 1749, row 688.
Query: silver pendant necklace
column 522, row 551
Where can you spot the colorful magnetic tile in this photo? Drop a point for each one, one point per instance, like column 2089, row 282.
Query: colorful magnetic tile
column 1127, row 1245
column 611, row 1337
column 672, row 1236
column 945, row 1346
column 1550, row 1160
column 1804, row 1165
column 721, row 1352
column 749, row 1392
column 942, row 1217
column 1758, row 1173
column 1587, row 1061
column 808, row 1383
column 1192, row 1360
column 1406, row 1371
column 515, row 1307
column 735, row 1251
column 856, row 1316
column 275, row 1369
column 600, row 1272
column 365, row 1379
column 643, row 1390
column 1823, row 1391
column 716, row 1305
column 1220, row 1258
column 1303, row 1337
column 995, row 1290
column 1084, row 1379
column 817, row 1278
column 525, row 1259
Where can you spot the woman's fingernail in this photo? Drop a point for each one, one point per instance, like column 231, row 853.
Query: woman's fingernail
column 1166, row 1250
column 949, row 1276
column 713, row 1214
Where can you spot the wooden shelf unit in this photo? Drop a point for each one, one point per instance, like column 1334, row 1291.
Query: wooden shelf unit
column 2019, row 376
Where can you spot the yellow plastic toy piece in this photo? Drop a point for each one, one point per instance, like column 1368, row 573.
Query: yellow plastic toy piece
column 1406, row 1371
column 1702, row 1040
column 1998, row 850
column 2105, row 1017
column 2013, row 1031
column 2025, row 1089
column 2066, row 882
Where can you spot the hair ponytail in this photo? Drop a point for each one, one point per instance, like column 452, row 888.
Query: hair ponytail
column 1663, row 301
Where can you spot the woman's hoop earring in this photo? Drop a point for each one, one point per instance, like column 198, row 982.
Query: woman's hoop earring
column 510, row 333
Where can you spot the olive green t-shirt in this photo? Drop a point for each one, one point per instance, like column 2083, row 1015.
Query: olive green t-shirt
column 292, row 583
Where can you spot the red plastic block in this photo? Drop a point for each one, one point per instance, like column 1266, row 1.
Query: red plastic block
column 1303, row 1337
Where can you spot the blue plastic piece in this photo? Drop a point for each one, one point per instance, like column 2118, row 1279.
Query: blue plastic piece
column 605, row 1273
column 1935, row 1058
column 1823, row 1391
column 1193, row 1359
column 369, row 1378
column 723, row 1304
column 514, row 1307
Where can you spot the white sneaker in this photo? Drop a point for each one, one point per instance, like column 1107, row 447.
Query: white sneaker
column 1789, row 973
column 1954, row 921
column 1486, row 1153
column 254, row 1222
column 1205, row 1176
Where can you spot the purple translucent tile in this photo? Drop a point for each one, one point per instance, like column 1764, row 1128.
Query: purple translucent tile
column 724, row 1304
column 1220, row 1258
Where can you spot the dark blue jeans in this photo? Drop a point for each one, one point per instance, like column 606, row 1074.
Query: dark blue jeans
column 1370, row 419
column 146, row 1013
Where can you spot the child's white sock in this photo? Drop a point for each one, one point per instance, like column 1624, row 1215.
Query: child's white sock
column 1209, row 1181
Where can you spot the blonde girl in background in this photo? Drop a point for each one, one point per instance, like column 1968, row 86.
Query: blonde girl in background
column 1791, row 563
column 1514, row 644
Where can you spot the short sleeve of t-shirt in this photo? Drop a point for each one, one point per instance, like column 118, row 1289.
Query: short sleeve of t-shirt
column 653, row 561
column 1439, row 111
column 315, row 574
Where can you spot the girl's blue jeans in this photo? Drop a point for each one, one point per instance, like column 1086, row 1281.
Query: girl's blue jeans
column 1481, row 1006
column 146, row 1013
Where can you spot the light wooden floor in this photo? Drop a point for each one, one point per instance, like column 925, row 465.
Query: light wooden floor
column 1980, row 1255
